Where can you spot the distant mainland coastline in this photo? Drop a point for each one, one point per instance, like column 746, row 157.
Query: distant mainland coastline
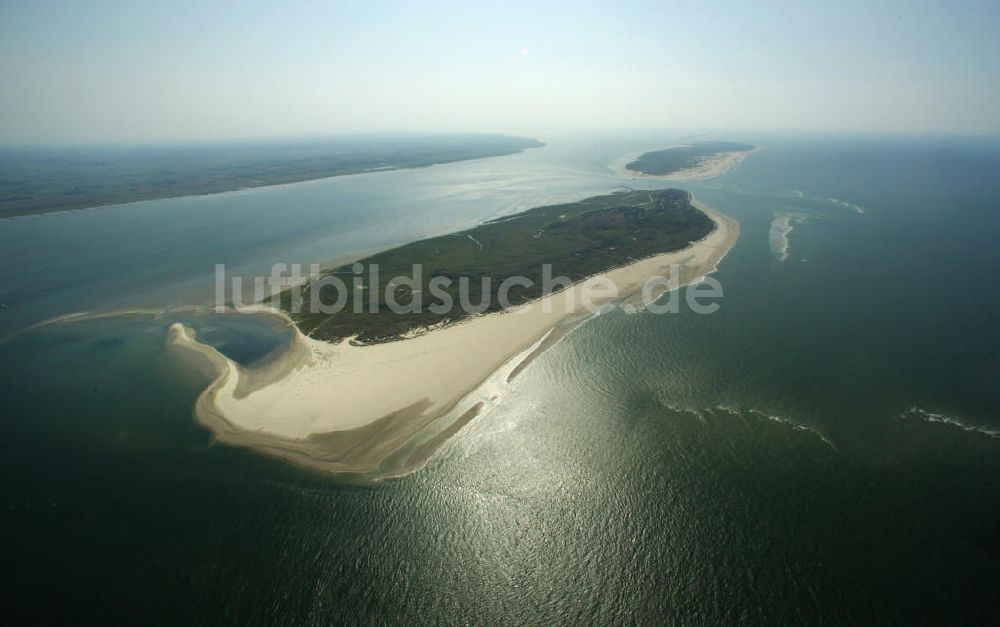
column 42, row 180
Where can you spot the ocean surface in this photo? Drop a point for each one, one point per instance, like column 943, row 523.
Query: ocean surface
column 824, row 448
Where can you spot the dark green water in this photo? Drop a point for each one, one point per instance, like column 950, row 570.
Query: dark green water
column 825, row 448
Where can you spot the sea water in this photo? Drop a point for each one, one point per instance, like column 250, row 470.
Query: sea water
column 823, row 447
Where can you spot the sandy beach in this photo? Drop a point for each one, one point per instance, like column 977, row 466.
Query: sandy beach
column 710, row 167
column 381, row 410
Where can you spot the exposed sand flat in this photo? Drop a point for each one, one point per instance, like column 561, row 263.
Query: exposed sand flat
column 781, row 227
column 350, row 408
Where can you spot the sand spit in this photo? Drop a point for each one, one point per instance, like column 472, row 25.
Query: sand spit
column 381, row 410
column 83, row 316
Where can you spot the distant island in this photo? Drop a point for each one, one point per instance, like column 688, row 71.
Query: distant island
column 690, row 161
column 379, row 408
column 578, row 239
column 40, row 180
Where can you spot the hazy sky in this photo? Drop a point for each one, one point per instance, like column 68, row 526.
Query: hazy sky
column 81, row 71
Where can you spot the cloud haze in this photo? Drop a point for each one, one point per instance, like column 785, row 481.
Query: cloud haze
column 135, row 71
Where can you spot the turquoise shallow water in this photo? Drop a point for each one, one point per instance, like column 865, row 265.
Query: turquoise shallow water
column 823, row 448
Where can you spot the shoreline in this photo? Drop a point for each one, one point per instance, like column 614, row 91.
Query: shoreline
column 381, row 410
column 716, row 165
column 252, row 185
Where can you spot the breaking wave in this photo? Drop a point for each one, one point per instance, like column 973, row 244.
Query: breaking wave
column 781, row 228
column 704, row 415
column 836, row 201
column 847, row 205
column 927, row 416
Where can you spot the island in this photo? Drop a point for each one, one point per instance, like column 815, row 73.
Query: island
column 374, row 394
column 45, row 179
column 690, row 161
column 577, row 240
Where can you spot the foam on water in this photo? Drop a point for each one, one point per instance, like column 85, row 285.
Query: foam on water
column 704, row 414
column 847, row 205
column 781, row 228
column 943, row 419
column 759, row 414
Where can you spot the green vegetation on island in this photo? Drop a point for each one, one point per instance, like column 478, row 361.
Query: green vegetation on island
column 40, row 180
column 578, row 239
column 679, row 158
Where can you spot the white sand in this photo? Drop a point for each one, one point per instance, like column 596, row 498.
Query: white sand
column 321, row 388
column 716, row 165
